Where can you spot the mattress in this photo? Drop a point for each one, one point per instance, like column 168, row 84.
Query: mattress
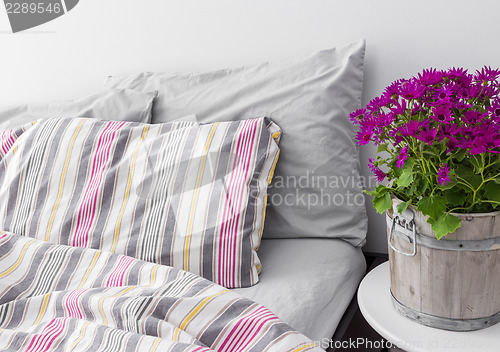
column 308, row 283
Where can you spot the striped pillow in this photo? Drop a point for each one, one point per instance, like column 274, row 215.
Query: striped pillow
column 188, row 195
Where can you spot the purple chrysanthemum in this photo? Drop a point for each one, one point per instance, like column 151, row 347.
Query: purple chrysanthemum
column 443, row 175
column 376, row 170
column 430, row 76
column 357, row 115
column 364, row 137
column 411, row 90
column 403, row 155
column 442, row 114
column 487, row 74
column 427, row 135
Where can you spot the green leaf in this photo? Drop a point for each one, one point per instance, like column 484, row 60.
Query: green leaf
column 434, row 206
column 492, row 191
column 406, row 177
column 476, row 181
column 382, row 203
column 461, row 154
column 456, row 197
column 403, row 206
column 382, row 148
column 422, row 186
column 379, row 191
column 445, row 224
column 464, row 171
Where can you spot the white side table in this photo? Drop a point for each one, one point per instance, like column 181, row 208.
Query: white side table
column 376, row 306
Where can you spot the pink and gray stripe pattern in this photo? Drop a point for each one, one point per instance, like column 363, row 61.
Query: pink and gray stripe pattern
column 101, row 301
column 182, row 194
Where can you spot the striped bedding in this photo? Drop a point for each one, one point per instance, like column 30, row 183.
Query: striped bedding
column 89, row 210
column 62, row 298
column 182, row 194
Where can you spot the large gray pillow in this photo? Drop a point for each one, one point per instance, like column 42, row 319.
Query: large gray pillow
column 316, row 191
column 110, row 104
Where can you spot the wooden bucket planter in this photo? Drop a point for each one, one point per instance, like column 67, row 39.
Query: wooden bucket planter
column 452, row 283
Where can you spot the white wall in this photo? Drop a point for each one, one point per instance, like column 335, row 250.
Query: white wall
column 71, row 56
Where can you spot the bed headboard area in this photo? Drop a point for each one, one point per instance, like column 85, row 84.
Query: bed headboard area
column 72, row 56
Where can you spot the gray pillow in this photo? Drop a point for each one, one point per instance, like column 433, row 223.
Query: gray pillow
column 316, row 191
column 109, row 104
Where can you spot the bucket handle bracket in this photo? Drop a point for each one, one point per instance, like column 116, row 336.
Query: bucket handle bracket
column 403, row 226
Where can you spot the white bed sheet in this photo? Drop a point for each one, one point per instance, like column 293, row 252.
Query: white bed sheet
column 308, row 283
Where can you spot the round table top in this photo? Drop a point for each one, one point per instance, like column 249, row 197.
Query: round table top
column 375, row 303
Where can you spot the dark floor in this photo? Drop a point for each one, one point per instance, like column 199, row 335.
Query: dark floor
column 354, row 333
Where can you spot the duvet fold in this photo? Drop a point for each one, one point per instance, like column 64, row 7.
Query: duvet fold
column 61, row 298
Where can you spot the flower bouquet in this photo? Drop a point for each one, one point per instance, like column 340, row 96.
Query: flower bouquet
column 438, row 144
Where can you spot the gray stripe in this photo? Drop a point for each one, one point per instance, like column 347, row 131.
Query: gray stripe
column 47, row 174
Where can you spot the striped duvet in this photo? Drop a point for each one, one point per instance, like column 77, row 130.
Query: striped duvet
column 62, row 298
column 182, row 194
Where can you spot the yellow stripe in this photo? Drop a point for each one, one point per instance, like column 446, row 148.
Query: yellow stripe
column 63, row 178
column 193, row 207
column 104, row 321
column 16, row 264
column 304, row 347
column 155, row 346
column 199, row 307
column 115, row 239
column 44, row 307
column 94, row 260
column 84, row 328
column 271, row 174
column 176, row 334
column 153, row 275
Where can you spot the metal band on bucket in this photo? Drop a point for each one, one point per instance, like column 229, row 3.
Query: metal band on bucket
column 402, row 231
column 445, row 323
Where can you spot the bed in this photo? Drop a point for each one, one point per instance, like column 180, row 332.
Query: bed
column 308, row 283
column 192, row 212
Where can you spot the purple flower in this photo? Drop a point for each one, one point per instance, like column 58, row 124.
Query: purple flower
column 443, row 174
column 411, row 90
column 456, row 73
column 357, row 115
column 430, row 77
column 376, row 170
column 472, row 117
column 487, row 74
column 444, row 93
column 364, row 137
column 442, row 114
column 494, row 110
column 427, row 135
column 413, row 127
column 392, row 91
column 378, row 102
column 403, row 155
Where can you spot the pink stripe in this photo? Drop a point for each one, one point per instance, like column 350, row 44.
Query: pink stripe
column 202, row 349
column 72, row 305
column 118, row 274
column 44, row 340
column 7, row 140
column 101, row 157
column 240, row 322
column 256, row 332
column 239, row 337
column 241, row 172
